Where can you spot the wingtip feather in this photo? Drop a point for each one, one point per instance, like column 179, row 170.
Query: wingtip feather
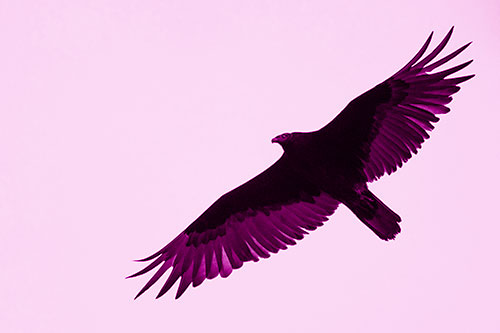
column 139, row 294
column 435, row 52
column 151, row 257
column 417, row 56
column 444, row 60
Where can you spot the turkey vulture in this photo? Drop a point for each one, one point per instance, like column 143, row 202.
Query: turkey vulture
column 375, row 134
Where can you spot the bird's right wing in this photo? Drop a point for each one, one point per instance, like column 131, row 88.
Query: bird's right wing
column 381, row 129
column 262, row 216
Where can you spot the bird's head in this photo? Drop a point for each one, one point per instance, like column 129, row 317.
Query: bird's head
column 282, row 139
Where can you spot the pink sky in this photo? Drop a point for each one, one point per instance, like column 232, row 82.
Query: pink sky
column 122, row 121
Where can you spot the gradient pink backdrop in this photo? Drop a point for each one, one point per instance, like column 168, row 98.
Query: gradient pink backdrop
column 121, row 121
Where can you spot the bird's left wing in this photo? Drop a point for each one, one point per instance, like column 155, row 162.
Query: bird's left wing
column 262, row 216
column 381, row 129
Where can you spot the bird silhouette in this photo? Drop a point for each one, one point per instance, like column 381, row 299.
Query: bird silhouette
column 374, row 135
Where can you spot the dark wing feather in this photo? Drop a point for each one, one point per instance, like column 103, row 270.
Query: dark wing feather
column 264, row 215
column 381, row 129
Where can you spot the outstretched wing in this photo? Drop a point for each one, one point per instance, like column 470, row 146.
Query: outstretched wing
column 381, row 129
column 262, row 216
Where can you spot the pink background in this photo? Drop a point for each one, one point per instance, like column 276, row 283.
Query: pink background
column 121, row 121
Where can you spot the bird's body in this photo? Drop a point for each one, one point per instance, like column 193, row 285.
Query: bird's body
column 374, row 135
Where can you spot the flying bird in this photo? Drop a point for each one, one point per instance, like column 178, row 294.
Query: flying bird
column 374, row 135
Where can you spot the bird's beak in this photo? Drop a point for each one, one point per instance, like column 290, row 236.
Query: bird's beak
column 274, row 140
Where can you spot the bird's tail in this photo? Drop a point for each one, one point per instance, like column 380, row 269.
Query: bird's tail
column 376, row 215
